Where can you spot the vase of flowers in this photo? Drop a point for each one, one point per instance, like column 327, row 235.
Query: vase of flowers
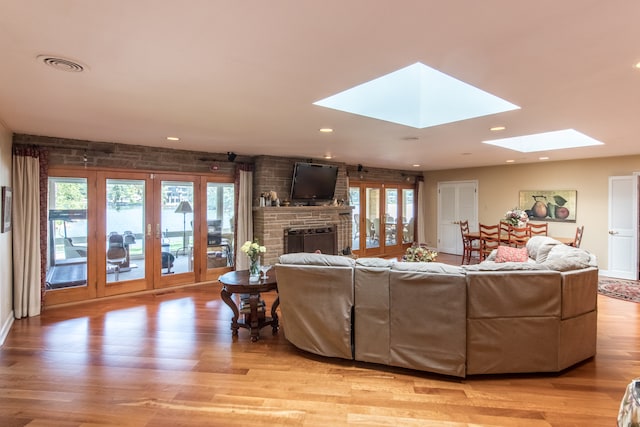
column 516, row 217
column 418, row 253
column 253, row 251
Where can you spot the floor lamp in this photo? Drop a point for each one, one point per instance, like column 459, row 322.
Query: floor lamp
column 184, row 208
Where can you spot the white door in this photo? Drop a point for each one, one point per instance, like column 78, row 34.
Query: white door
column 457, row 201
column 623, row 213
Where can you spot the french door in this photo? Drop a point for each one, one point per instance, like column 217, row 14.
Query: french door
column 114, row 232
column 383, row 218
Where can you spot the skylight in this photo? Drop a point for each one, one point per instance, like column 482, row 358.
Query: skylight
column 417, row 96
column 555, row 140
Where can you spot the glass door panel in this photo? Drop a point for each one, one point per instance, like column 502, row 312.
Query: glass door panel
column 408, row 213
column 220, row 225
column 354, row 197
column 67, row 233
column 372, row 218
column 176, row 225
column 125, row 229
column 391, row 217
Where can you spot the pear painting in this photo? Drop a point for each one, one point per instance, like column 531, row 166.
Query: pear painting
column 557, row 206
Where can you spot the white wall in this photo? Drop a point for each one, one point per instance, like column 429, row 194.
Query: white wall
column 6, row 260
column 499, row 188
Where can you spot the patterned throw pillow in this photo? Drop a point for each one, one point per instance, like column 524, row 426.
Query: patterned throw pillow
column 509, row 254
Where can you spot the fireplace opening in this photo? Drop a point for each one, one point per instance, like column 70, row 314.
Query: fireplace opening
column 323, row 239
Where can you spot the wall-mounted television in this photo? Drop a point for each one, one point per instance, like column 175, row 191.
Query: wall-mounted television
column 313, row 182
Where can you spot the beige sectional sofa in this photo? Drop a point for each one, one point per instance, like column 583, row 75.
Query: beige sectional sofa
column 534, row 316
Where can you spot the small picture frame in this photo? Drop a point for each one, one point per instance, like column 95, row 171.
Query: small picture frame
column 6, row 209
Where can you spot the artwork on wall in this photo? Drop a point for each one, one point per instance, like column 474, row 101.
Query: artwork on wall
column 6, row 209
column 545, row 205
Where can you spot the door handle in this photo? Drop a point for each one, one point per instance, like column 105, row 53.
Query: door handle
column 613, row 232
column 148, row 230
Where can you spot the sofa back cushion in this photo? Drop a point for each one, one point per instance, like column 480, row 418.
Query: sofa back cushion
column 427, row 303
column 371, row 315
column 316, row 302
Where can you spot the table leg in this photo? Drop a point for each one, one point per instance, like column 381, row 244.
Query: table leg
column 274, row 315
column 254, row 300
column 226, row 297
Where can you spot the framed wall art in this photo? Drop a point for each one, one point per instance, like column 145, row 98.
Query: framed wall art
column 6, row 209
column 549, row 205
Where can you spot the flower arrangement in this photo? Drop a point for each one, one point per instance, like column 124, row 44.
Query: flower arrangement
column 419, row 254
column 253, row 251
column 515, row 216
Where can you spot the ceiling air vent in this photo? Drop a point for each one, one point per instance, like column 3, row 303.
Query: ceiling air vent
column 62, row 64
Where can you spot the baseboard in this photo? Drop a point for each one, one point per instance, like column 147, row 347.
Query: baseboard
column 6, row 327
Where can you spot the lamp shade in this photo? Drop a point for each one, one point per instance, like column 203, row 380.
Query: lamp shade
column 184, row 207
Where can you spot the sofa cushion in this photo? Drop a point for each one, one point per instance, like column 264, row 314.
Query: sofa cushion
column 511, row 254
column 539, row 247
column 427, row 267
column 566, row 258
column 304, row 258
column 374, row 262
column 505, row 266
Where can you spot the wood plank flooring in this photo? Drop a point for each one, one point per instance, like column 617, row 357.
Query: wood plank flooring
column 168, row 359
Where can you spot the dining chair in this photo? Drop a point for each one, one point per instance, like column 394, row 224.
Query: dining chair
column 518, row 236
column 539, row 229
column 489, row 239
column 578, row 239
column 504, row 227
column 468, row 245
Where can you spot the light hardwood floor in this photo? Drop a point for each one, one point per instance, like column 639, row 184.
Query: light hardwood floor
column 168, row 359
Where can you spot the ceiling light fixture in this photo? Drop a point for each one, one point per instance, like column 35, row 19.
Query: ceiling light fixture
column 497, row 128
column 543, row 158
column 328, row 156
column 326, row 130
column 510, row 161
column 416, row 165
column 173, row 138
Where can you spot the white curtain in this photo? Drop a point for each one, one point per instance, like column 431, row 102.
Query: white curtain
column 422, row 214
column 245, row 217
column 26, row 236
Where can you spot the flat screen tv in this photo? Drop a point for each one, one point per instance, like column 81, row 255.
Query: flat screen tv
column 313, row 182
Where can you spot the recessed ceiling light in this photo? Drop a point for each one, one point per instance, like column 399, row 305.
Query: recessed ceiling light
column 416, row 165
column 556, row 140
column 636, row 65
column 417, row 96
column 328, row 156
column 497, row 128
column 543, row 158
column 173, row 138
column 510, row 161
column 326, row 130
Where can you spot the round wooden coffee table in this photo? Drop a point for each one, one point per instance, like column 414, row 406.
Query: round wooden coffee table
column 253, row 309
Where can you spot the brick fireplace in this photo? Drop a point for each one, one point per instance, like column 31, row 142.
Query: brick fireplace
column 270, row 224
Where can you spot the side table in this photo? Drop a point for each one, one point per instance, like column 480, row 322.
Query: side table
column 237, row 282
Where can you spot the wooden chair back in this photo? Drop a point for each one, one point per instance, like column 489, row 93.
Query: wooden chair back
column 578, row 239
column 518, row 236
column 489, row 239
column 468, row 248
column 539, row 229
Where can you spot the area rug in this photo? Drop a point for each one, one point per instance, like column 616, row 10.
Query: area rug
column 628, row 290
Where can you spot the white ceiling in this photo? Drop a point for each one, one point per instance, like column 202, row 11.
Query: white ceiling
column 242, row 75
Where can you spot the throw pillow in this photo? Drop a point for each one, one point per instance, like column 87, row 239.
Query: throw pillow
column 509, row 254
